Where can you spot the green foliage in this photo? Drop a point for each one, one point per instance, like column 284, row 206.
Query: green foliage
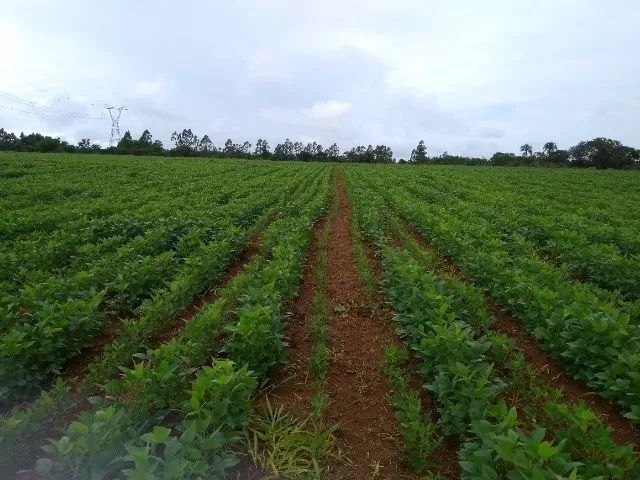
column 604, row 153
column 449, row 351
column 220, row 394
column 146, row 269
column 320, row 352
column 588, row 330
column 204, row 240
column 445, row 323
column 211, row 403
column 91, row 447
column 192, row 454
column 157, row 383
column 581, row 430
column 365, row 270
column 420, row 434
column 502, row 449
column 19, row 426
column 110, row 441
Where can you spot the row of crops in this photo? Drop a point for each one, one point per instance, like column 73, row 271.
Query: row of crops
column 511, row 425
column 141, row 242
column 101, row 257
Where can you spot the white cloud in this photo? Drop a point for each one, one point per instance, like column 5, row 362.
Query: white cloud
column 466, row 77
column 328, row 111
column 149, row 89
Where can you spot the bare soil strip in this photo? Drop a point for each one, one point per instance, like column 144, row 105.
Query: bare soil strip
column 548, row 370
column 367, row 432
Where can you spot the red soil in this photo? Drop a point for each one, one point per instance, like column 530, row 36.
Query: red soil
column 367, row 432
column 547, row 369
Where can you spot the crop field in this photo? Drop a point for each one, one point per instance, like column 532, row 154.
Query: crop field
column 232, row 319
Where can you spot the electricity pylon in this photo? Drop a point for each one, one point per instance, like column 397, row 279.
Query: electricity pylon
column 114, row 113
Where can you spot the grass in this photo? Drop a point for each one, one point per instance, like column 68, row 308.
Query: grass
column 286, row 446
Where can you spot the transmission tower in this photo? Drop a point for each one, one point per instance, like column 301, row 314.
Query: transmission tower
column 114, row 113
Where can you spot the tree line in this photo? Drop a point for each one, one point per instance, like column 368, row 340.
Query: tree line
column 599, row 152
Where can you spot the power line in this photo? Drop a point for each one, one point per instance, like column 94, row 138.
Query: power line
column 33, row 108
column 30, row 112
column 44, row 108
column 22, row 105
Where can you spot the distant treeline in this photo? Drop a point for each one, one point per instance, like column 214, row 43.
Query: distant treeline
column 598, row 153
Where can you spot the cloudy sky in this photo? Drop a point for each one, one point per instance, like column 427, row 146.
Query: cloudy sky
column 467, row 77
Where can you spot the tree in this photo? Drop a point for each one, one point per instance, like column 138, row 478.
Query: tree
column 145, row 145
column 34, row 142
column 185, row 139
column 383, row 154
column 368, row 156
column 206, row 145
column 126, row 144
column 234, row 150
column 549, row 148
column 560, row 157
column 333, row 152
column 84, row 145
column 526, row 150
column 419, row 154
column 284, row 151
column 500, row 158
column 262, row 148
column 145, row 139
column 186, row 142
column 8, row 141
column 126, row 138
column 312, row 151
column 245, row 149
column 228, row 148
column 356, row 154
column 157, row 147
column 603, row 153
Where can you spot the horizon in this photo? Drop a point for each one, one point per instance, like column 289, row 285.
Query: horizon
column 467, row 80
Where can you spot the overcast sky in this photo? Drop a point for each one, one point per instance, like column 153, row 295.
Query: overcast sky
column 468, row 77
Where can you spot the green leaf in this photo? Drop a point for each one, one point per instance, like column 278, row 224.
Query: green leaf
column 158, row 435
column 546, row 450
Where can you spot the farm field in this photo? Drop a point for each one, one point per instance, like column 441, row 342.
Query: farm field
column 196, row 318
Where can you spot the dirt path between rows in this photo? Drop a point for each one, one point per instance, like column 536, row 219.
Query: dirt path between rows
column 548, row 370
column 367, row 432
